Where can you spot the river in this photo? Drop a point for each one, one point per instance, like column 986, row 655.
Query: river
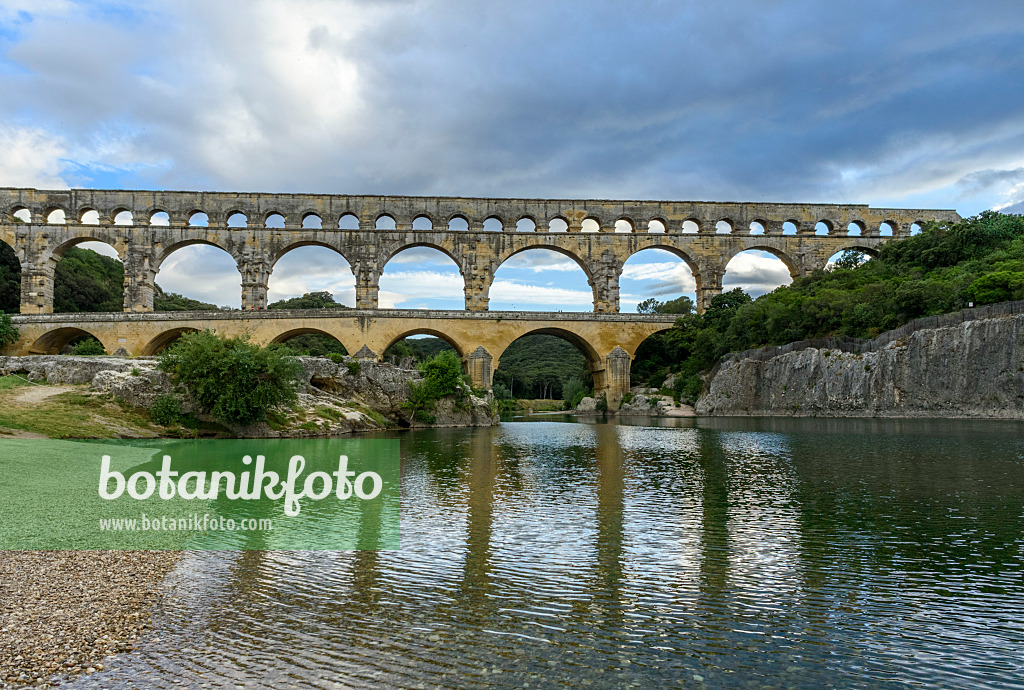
column 708, row 553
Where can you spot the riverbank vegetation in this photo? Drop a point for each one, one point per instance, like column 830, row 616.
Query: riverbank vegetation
column 947, row 267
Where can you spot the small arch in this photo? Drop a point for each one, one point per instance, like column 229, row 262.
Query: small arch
column 165, row 340
column 691, row 226
column 916, row 228
column 237, row 219
column 493, row 224
column 789, row 228
column 590, row 225
column 757, row 227
column 558, row 224
column 312, row 341
column 54, row 342
column 623, row 225
column 426, row 331
column 823, row 227
column 22, row 214
column 855, row 229
column 123, row 218
column 723, row 227
column 348, row 222
column 458, row 224
column 89, row 216
column 56, row 217
column 160, row 218
column 422, row 223
column 273, row 220
column 656, row 226
column 526, row 224
column 312, row 221
column 199, row 219
column 385, row 222
column 887, row 229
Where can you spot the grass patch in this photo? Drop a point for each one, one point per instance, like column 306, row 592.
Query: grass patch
column 9, row 382
column 68, row 415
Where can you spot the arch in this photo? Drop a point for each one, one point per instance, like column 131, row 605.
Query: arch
column 758, row 274
column 590, row 225
column 53, row 342
column 311, row 266
column 838, row 254
column 856, row 228
column 458, row 224
column 526, row 224
column 56, row 217
column 427, row 331
column 789, row 227
column 237, row 219
column 10, row 279
column 558, row 224
column 348, row 221
column 657, row 226
column 384, row 222
column 624, row 225
column 579, row 341
column 858, row 247
column 422, row 222
column 100, row 237
column 758, row 227
column 160, row 218
column 538, row 365
column 89, row 216
column 165, row 340
column 322, row 342
column 691, row 226
column 774, row 251
column 887, row 229
column 493, row 224
column 724, row 227
column 917, row 227
column 526, row 289
column 22, row 213
column 427, row 281
column 312, row 221
column 123, row 217
column 199, row 219
column 212, row 277
column 824, row 227
column 646, row 277
column 273, row 219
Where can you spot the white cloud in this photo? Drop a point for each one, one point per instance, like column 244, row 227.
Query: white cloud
column 31, row 158
column 204, row 273
column 756, row 273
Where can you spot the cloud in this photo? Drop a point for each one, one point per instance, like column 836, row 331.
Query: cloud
column 31, row 158
column 204, row 273
column 756, row 273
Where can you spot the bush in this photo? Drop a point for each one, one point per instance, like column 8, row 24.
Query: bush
column 353, row 367
column 572, row 387
column 336, row 357
column 88, row 347
column 8, row 331
column 442, row 378
column 165, row 410
column 602, row 403
column 232, row 379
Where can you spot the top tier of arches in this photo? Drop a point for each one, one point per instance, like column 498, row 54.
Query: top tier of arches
column 446, row 214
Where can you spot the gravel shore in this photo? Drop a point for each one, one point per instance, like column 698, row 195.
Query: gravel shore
column 63, row 612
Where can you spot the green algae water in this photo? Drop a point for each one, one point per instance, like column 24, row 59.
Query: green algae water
column 707, row 553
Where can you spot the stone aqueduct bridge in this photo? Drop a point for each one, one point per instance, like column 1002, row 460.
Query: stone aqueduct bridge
column 145, row 227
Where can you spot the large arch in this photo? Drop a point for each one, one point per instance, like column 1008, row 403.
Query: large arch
column 165, row 340
column 429, row 283
column 459, row 349
column 53, row 342
column 309, row 266
column 688, row 260
column 542, row 368
column 321, row 339
column 83, row 282
column 759, row 275
column 210, row 276
column 568, row 298
column 10, row 279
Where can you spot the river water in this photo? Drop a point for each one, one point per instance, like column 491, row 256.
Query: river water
column 704, row 553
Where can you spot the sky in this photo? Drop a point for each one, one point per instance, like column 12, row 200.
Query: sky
column 892, row 103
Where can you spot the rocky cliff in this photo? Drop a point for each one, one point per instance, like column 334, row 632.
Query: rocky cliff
column 334, row 397
column 972, row 369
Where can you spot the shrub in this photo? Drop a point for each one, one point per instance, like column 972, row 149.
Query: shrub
column 336, row 357
column 572, row 387
column 442, row 378
column 232, row 379
column 602, row 403
column 354, row 367
column 8, row 331
column 88, row 347
column 165, row 410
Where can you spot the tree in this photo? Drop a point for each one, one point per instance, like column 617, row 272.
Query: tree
column 172, row 301
column 10, row 280
column 85, row 281
column 232, row 379
column 310, row 300
column 8, row 331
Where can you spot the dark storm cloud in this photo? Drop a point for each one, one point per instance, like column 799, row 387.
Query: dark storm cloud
column 740, row 100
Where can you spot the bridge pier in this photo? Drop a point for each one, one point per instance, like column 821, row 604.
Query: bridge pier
column 255, row 282
column 367, row 283
column 37, row 288
column 613, row 380
column 479, row 367
column 139, row 280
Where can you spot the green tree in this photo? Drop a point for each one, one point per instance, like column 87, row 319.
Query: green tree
column 85, row 281
column 8, row 331
column 10, row 280
column 172, row 301
column 232, row 379
column 310, row 300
